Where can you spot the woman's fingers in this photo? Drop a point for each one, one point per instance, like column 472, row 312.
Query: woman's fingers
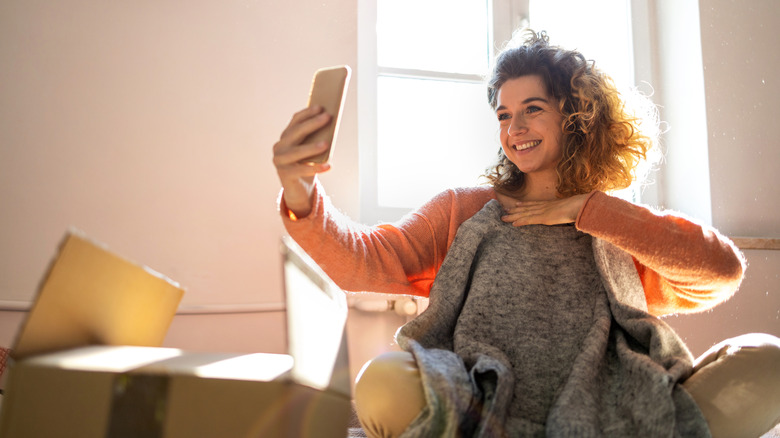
column 300, row 116
column 294, row 171
column 290, row 155
column 295, row 174
column 284, row 155
column 526, row 216
column 302, row 124
column 559, row 211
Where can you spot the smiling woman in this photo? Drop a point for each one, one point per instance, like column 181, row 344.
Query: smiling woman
column 544, row 289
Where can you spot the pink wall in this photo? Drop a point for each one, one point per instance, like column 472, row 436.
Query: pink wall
column 149, row 126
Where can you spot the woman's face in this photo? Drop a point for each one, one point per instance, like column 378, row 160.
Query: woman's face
column 530, row 125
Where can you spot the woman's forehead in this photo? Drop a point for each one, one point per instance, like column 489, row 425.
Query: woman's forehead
column 517, row 90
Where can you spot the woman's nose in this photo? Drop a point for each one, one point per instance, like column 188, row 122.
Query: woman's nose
column 517, row 125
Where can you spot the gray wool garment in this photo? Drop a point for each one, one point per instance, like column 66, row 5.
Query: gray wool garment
column 543, row 331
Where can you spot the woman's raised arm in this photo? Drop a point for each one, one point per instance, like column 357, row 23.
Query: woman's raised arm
column 290, row 159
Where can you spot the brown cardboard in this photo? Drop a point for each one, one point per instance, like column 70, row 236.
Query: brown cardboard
column 79, row 393
column 88, row 362
column 91, row 296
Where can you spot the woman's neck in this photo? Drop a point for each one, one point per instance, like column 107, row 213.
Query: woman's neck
column 538, row 187
column 534, row 189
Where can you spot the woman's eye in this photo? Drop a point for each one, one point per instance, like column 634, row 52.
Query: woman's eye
column 502, row 117
column 532, row 109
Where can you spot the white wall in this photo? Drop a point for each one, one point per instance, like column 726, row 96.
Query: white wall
column 149, row 126
column 740, row 62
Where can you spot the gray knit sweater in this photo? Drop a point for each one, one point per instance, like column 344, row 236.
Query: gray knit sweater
column 543, row 331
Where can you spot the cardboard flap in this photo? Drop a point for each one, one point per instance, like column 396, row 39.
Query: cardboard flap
column 91, row 296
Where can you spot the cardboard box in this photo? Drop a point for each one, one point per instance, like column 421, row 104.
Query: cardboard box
column 124, row 391
column 88, row 362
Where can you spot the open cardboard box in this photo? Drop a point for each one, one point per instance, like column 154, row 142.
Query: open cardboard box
column 82, row 370
column 116, row 391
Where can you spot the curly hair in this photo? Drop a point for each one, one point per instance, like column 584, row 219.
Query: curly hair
column 604, row 140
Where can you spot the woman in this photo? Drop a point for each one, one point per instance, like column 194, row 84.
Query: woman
column 542, row 318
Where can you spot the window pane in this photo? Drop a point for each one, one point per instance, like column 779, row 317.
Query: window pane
column 439, row 35
column 432, row 135
column 600, row 29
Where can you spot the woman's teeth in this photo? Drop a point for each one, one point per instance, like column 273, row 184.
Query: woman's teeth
column 524, row 146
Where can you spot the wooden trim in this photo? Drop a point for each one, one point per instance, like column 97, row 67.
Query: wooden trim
column 756, row 243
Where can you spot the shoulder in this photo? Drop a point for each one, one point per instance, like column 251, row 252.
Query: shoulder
column 447, row 210
column 465, row 197
column 458, row 204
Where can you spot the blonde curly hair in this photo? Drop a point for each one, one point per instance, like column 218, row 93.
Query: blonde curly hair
column 606, row 135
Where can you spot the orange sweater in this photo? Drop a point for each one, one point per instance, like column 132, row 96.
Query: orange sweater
column 684, row 266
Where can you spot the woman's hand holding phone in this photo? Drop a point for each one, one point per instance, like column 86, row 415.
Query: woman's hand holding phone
column 307, row 143
column 292, row 158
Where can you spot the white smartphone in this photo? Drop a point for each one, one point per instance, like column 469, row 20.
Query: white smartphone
column 328, row 90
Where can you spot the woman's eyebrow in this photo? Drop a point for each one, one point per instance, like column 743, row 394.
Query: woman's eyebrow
column 533, row 99
column 527, row 101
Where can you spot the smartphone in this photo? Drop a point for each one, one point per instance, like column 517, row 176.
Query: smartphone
column 328, row 90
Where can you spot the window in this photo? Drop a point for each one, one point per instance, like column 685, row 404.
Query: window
column 601, row 30
column 424, row 121
column 426, row 126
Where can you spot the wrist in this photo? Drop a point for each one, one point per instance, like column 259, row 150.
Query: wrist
column 296, row 200
column 585, row 200
column 295, row 210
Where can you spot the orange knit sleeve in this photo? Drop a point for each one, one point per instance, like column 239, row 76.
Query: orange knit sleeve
column 684, row 266
column 399, row 258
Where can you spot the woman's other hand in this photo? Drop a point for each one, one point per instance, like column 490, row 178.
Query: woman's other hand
column 291, row 156
column 558, row 211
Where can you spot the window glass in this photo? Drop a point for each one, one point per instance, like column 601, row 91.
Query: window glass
column 432, row 135
column 599, row 29
column 439, row 35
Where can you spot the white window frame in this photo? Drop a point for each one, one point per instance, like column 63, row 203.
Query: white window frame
column 507, row 15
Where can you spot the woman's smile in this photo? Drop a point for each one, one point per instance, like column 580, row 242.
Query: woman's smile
column 522, row 146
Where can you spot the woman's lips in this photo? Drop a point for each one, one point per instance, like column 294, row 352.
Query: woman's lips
column 526, row 145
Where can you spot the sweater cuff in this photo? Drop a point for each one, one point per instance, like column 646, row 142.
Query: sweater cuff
column 585, row 206
column 287, row 214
